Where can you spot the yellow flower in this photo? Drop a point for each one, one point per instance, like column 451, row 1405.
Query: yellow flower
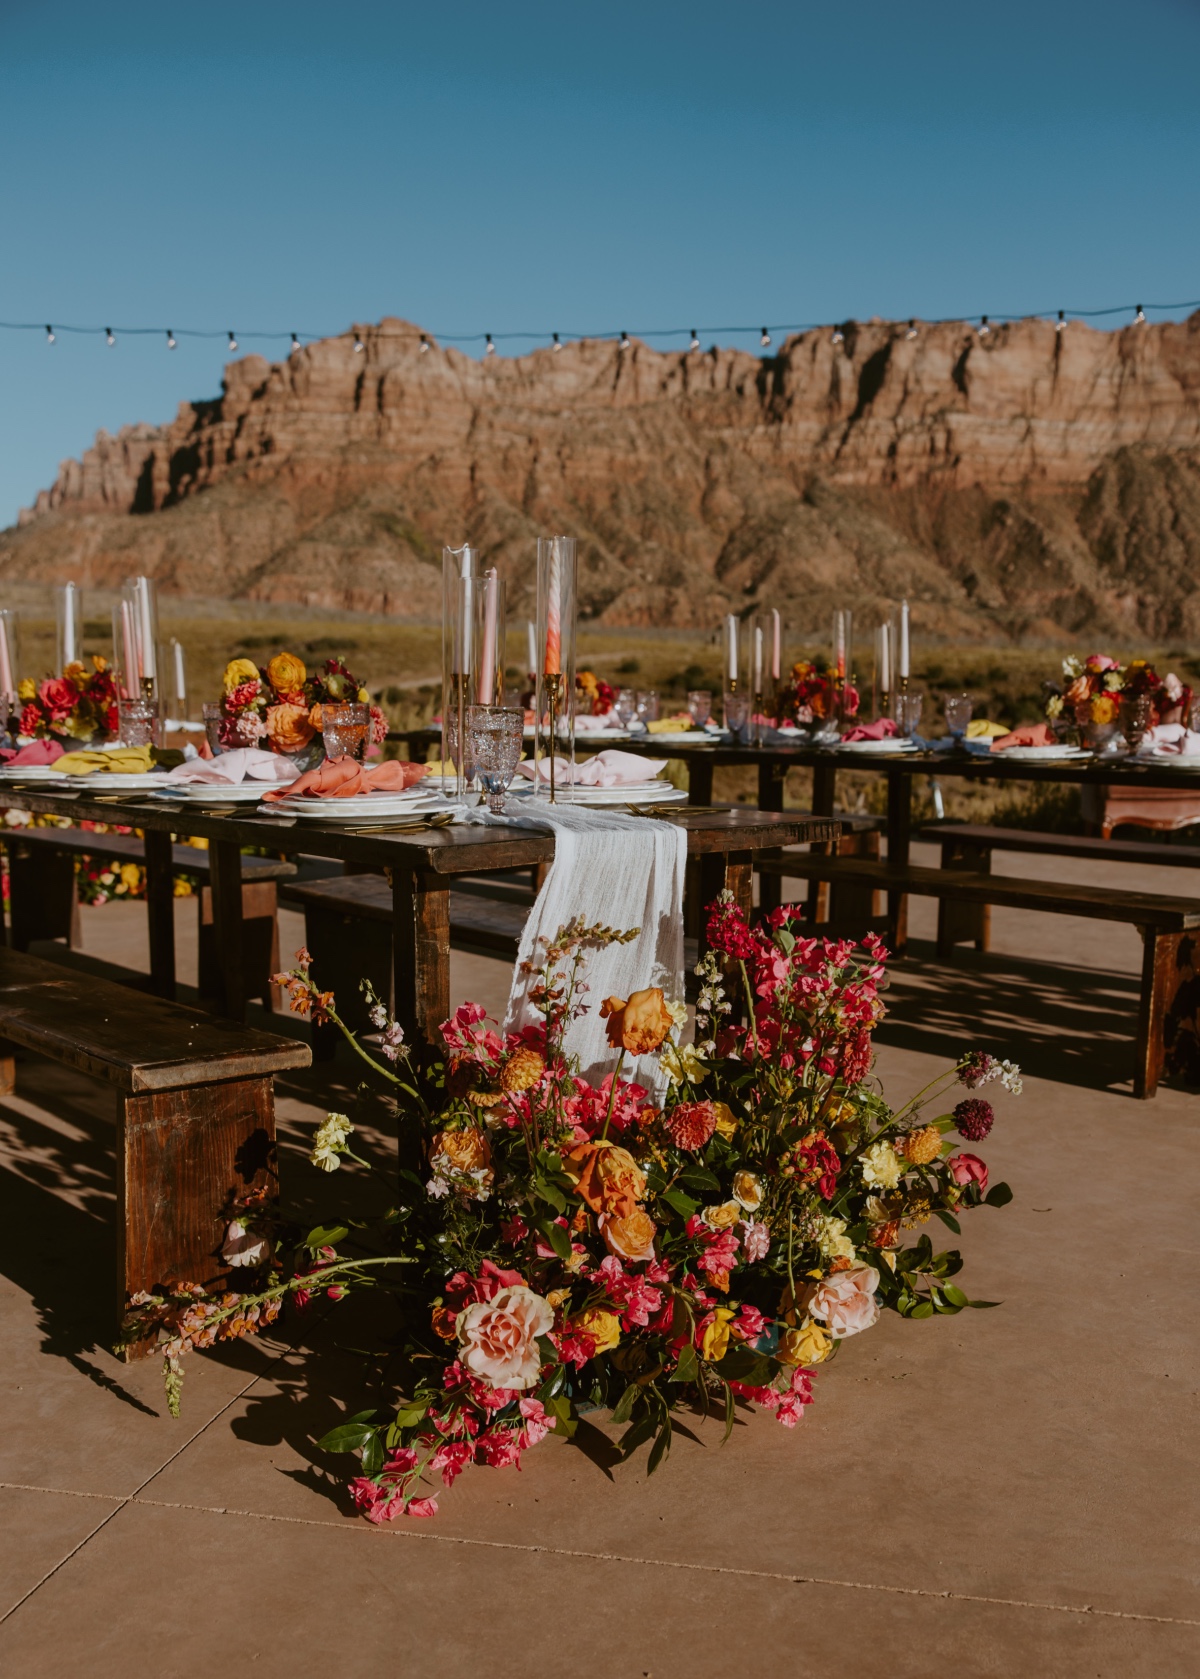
column 131, row 875
column 726, row 1122
column 678, row 1013
column 920, row 1147
column 715, row 1340
column 748, row 1191
column 363, row 697
column 238, row 671
column 286, row 673
column 638, row 1024
column 681, row 1064
column 604, row 1327
column 807, row 1345
column 27, row 690
column 723, row 1217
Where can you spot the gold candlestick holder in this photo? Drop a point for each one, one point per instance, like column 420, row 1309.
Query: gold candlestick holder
column 147, row 685
column 555, row 695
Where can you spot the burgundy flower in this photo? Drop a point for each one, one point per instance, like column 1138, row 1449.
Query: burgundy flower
column 974, row 1118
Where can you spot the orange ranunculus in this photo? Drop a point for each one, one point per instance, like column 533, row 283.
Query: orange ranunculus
column 606, row 1177
column 462, row 1151
column 639, row 1025
column 631, row 1238
column 316, row 717
column 288, row 727
column 286, row 673
column 1079, row 692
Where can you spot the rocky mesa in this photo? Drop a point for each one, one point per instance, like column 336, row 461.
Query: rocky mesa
column 1018, row 483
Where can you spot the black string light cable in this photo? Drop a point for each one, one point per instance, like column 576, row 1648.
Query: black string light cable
column 557, row 340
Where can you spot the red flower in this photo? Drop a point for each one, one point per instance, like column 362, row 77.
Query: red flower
column 32, row 719
column 691, row 1124
column 59, row 697
column 815, row 1161
column 727, row 931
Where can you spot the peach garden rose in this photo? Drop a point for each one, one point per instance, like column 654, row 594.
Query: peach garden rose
column 845, row 1302
column 499, row 1336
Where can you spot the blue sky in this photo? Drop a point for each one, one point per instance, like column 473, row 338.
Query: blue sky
column 579, row 167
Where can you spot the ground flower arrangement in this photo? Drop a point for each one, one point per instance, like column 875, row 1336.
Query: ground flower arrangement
column 564, row 1244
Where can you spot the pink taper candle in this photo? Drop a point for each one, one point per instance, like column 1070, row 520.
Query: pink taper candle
column 554, row 613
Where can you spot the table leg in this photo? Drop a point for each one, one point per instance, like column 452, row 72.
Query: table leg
column 160, row 911
column 700, row 780
column 420, row 954
column 824, row 788
column 899, row 835
column 225, row 862
column 772, row 778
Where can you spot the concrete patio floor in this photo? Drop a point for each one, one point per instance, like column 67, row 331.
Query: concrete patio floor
column 1007, row 1492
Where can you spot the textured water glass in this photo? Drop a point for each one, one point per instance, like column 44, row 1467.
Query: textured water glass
column 494, row 739
column 699, row 704
column 625, row 706
column 736, row 706
column 908, row 713
column 647, row 705
column 140, row 723
column 345, row 729
column 1135, row 719
column 958, row 714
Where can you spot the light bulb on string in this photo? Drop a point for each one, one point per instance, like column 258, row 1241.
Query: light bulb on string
column 912, row 330
column 624, row 344
column 695, row 343
column 295, row 345
column 50, row 335
column 170, row 339
column 557, row 345
column 764, row 339
column 984, row 328
column 110, row 337
column 1061, row 324
column 491, row 345
column 233, row 343
column 424, row 343
column 359, row 346
column 837, row 336
column 1139, row 318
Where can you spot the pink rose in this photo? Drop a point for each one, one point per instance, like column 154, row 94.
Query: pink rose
column 845, row 1302
column 499, row 1337
column 968, row 1168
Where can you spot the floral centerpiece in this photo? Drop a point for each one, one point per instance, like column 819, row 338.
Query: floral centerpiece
column 279, row 704
column 79, row 707
column 1093, row 690
column 562, row 1244
column 592, row 695
column 814, row 695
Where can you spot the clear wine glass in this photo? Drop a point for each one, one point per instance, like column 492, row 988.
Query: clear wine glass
column 647, row 705
column 625, row 706
column 494, row 739
column 958, row 714
column 699, row 704
column 908, row 713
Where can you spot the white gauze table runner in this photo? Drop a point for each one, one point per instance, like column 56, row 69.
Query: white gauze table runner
column 622, row 871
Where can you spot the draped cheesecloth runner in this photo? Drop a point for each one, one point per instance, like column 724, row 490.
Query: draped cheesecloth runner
column 621, row 871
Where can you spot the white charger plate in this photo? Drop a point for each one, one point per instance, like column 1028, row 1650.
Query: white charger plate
column 1174, row 760
column 369, row 805
column 224, row 792
column 1041, row 754
column 35, row 772
column 891, row 744
column 115, row 782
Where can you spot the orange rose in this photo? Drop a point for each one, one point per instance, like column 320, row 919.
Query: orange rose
column 316, row 717
column 606, row 1177
column 639, row 1025
column 631, row 1238
column 288, row 727
column 286, row 673
column 460, row 1151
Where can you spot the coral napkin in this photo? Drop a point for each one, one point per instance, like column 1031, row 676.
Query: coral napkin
column 1029, row 734
column 606, row 769
column 342, row 778
column 33, row 756
column 247, row 763
column 883, row 728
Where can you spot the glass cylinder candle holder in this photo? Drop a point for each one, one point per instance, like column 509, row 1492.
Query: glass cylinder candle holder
column 557, row 600
column 760, row 666
column 139, row 637
column 10, row 661
column 487, row 604
column 68, row 626
column 460, row 570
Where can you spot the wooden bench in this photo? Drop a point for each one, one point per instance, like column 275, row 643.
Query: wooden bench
column 969, row 845
column 1169, row 1009
column 195, row 1108
column 44, row 902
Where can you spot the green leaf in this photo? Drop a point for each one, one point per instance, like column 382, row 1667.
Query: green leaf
column 955, row 1295
column 696, row 1177
column 410, row 1415
column 372, row 1458
column 327, row 1235
column 679, row 1202
column 558, row 1238
column 943, row 1306
column 552, row 1384
column 687, row 1367
column 949, row 1220
column 660, row 1447
column 982, row 1305
column 999, row 1195
column 742, row 1365
column 633, row 1437
column 361, row 1416
column 923, row 1309
column 568, row 1422
column 944, row 1124
column 785, row 940
column 550, row 1193
column 623, row 1409
column 349, row 1437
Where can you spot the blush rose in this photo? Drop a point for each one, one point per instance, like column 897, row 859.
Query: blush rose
column 499, row 1337
column 845, row 1302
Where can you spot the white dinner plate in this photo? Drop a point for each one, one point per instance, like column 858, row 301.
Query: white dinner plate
column 891, row 744
column 368, row 805
column 35, row 772
column 660, row 792
column 1041, row 754
column 1174, row 760
column 223, row 792
column 683, row 737
column 583, row 736
column 106, row 781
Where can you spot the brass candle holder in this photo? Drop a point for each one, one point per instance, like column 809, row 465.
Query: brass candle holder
column 555, row 695
column 147, row 684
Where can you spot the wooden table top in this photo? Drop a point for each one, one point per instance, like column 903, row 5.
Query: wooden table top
column 448, row 851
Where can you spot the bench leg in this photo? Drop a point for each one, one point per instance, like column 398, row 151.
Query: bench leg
column 420, row 954
column 1168, row 1033
column 42, row 899
column 960, row 923
column 225, row 866
column 8, row 1067
column 899, row 834
column 160, row 911
column 184, row 1156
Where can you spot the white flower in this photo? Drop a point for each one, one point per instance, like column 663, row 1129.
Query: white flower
column 242, row 1246
column 330, row 1141
column 437, row 1187
column 1173, row 687
column 678, row 1013
column 680, row 1062
column 833, row 1241
column 881, row 1166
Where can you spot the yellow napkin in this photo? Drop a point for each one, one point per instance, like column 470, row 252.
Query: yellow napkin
column 980, row 729
column 126, row 760
column 669, row 725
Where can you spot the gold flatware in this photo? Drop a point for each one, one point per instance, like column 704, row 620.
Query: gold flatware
column 442, row 819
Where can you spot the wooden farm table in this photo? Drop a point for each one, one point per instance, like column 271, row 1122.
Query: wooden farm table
column 422, row 866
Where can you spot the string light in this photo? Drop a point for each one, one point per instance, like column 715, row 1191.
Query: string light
column 1139, row 318
column 984, row 328
column 424, row 344
column 625, row 343
column 695, row 343
column 232, row 342
column 170, row 339
column 837, row 336
column 557, row 345
column 491, row 345
column 1061, row 324
column 294, row 346
column 912, row 330
column 764, row 339
column 50, row 335
column 109, row 337
column 359, row 346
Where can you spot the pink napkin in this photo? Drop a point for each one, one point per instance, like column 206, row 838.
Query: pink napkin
column 342, row 778
column 1171, row 737
column 37, row 753
column 587, row 724
column 248, row 763
column 883, row 728
column 1029, row 734
column 606, row 769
